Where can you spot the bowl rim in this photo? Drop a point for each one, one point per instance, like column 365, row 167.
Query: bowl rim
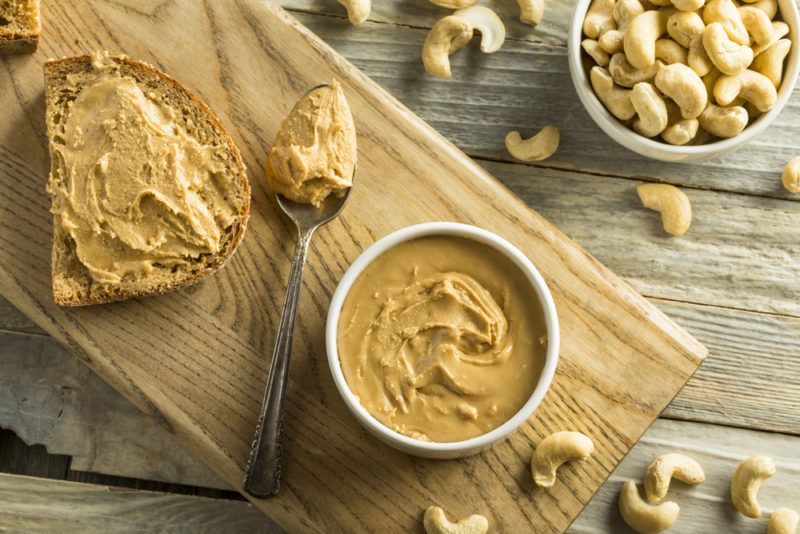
column 630, row 139
column 488, row 238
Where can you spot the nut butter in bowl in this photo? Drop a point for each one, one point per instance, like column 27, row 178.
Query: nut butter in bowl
column 442, row 339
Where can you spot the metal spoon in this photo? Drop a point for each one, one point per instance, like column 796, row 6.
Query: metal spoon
column 263, row 473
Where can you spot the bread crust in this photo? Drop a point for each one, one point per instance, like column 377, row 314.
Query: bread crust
column 19, row 45
column 72, row 285
column 24, row 40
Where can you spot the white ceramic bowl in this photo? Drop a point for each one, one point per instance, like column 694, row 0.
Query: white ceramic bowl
column 663, row 151
column 459, row 448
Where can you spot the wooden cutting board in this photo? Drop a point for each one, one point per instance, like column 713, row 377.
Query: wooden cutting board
column 197, row 359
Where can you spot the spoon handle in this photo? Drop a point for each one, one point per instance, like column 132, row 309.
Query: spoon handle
column 263, row 474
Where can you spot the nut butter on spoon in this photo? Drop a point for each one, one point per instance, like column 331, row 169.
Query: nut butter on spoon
column 310, row 168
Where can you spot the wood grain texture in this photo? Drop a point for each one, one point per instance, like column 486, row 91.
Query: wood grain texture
column 35, row 505
column 524, row 86
column 707, row 507
column 194, row 359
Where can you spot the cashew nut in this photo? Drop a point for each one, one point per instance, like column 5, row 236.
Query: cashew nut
column 769, row 7
column 779, row 31
column 709, row 80
column 486, row 21
column 783, row 521
column 435, row 522
column 599, row 18
column 643, row 517
column 757, row 23
column 453, row 4
column 750, row 85
column 724, row 122
column 357, row 10
column 770, row 63
column 626, row 75
column 679, row 131
column 640, row 38
column 666, row 467
column 625, row 11
column 555, row 450
column 688, row 5
column 593, row 49
column 670, row 52
column 791, row 175
column 725, row 12
column 540, row 146
column 671, row 202
column 612, row 41
column 686, row 29
column 531, row 11
column 651, row 109
column 447, row 35
column 685, row 87
column 727, row 56
column 616, row 99
column 746, row 482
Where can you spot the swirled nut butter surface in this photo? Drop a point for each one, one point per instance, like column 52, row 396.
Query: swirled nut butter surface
column 439, row 338
column 136, row 188
column 314, row 153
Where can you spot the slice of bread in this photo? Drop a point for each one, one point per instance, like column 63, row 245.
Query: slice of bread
column 19, row 26
column 73, row 284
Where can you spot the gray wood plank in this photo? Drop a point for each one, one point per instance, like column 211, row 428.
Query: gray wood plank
column 525, row 86
column 35, row 505
column 707, row 507
column 740, row 252
column 49, row 397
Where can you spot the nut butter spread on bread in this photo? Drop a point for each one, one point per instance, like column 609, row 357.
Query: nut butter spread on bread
column 148, row 191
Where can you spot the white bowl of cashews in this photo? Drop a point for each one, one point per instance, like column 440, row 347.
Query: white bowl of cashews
column 685, row 85
column 455, row 449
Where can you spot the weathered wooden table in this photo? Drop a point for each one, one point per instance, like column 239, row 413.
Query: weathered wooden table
column 733, row 281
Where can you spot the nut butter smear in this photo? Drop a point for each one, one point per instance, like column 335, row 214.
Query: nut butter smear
column 439, row 338
column 137, row 189
column 314, row 153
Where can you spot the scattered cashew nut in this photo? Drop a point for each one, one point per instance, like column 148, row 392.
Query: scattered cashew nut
column 486, row 21
column 724, row 122
column 725, row 12
column 643, row 517
column 447, row 35
column 770, row 63
column 626, row 75
column 750, row 85
column 616, row 99
column 357, row 10
column 435, row 522
column 783, row 521
column 640, row 38
column 599, row 18
column 666, row 467
column 684, row 86
column 541, row 146
column 531, row 11
column 746, row 482
column 791, row 175
column 671, row 202
column 592, row 48
column 555, row 450
column 726, row 55
column 651, row 109
column 453, row 4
